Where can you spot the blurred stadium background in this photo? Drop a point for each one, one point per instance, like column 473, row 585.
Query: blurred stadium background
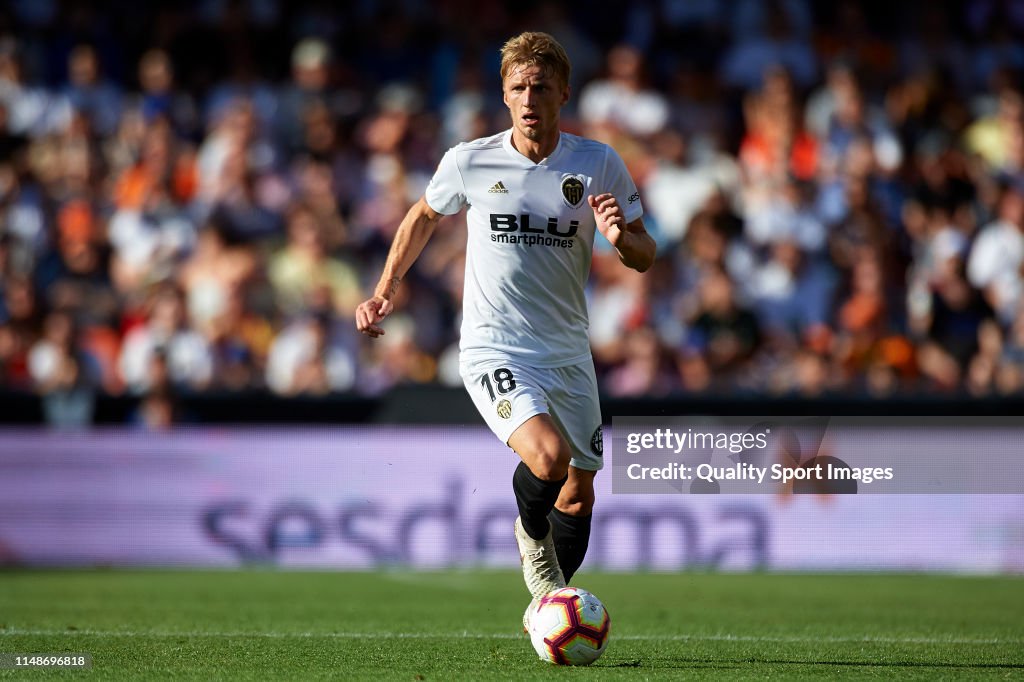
column 194, row 196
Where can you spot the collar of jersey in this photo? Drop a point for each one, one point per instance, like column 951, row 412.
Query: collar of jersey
column 521, row 159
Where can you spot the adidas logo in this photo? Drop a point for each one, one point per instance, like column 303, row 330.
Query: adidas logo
column 499, row 188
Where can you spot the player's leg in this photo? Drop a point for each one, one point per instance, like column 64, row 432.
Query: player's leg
column 542, row 472
column 537, row 481
column 570, row 520
column 512, row 400
column 576, row 409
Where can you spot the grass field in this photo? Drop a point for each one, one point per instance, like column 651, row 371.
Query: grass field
column 261, row 625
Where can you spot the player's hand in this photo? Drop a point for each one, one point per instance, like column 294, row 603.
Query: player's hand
column 369, row 313
column 608, row 214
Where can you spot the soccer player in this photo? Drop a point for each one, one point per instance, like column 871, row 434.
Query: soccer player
column 535, row 196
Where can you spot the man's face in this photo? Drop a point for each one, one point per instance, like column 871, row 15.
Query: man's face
column 534, row 99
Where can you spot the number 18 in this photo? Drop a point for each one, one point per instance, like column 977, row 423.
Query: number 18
column 503, row 382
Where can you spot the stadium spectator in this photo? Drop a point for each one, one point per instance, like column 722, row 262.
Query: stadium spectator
column 776, row 145
column 213, row 273
column 995, row 137
column 311, row 78
column 240, row 340
column 31, row 110
column 951, row 317
column 675, row 188
column 309, row 358
column 160, row 98
column 398, row 360
column 997, row 256
column 794, row 290
column 303, row 267
column 90, row 93
column 21, row 318
column 617, row 304
column 66, row 377
column 316, row 185
column 22, row 209
column 623, row 100
column 164, row 345
column 726, row 334
column 150, row 230
column 774, row 35
column 1010, row 370
column 643, row 371
column 55, row 362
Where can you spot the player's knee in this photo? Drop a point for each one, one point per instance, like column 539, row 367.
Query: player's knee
column 550, row 468
column 550, row 460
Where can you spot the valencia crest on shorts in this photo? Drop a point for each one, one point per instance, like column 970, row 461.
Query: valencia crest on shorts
column 504, row 409
column 572, row 190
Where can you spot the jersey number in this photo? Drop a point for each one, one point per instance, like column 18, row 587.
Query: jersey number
column 503, row 382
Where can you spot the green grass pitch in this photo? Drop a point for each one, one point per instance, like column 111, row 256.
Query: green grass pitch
column 259, row 625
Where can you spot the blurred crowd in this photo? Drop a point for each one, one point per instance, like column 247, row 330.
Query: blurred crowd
column 195, row 195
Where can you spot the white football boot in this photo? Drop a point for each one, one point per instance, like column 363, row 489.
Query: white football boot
column 528, row 614
column 540, row 565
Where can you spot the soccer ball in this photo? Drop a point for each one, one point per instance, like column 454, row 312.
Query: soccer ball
column 569, row 627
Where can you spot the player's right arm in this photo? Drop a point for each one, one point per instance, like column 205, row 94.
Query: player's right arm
column 413, row 234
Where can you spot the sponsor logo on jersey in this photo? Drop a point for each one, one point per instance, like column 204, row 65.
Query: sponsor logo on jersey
column 572, row 190
column 508, row 228
column 634, row 197
column 498, row 188
column 504, row 409
column 597, row 442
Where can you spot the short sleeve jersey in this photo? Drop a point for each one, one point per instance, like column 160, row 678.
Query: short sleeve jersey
column 531, row 236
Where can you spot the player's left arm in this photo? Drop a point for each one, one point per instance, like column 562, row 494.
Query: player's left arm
column 632, row 242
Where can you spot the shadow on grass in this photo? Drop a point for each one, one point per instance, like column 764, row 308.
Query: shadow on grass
column 732, row 663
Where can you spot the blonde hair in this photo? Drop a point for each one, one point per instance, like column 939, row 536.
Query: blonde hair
column 534, row 48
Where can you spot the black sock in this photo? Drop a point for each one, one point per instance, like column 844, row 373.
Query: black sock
column 571, row 535
column 536, row 498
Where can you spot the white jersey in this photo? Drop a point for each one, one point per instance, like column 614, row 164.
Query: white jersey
column 531, row 235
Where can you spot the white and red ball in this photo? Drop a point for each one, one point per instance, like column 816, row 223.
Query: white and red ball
column 569, row 627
